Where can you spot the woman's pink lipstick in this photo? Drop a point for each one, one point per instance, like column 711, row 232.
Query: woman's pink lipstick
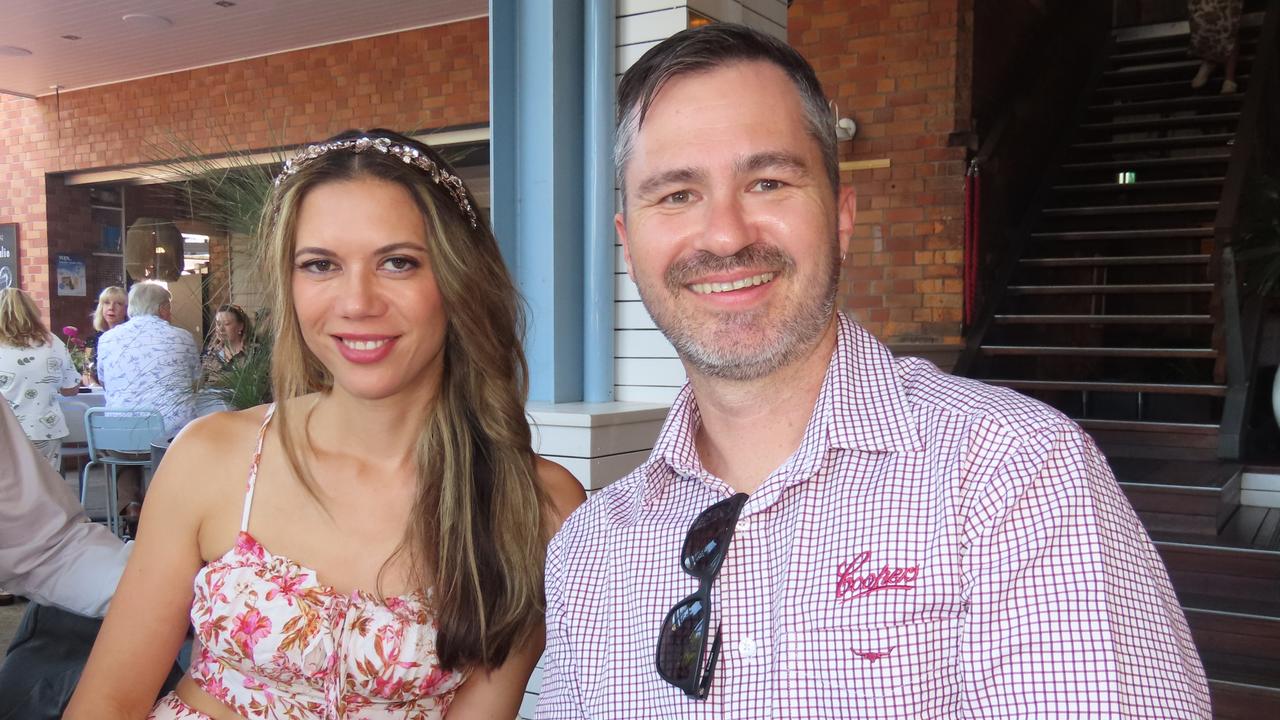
column 364, row 349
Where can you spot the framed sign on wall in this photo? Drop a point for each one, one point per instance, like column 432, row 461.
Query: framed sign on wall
column 8, row 255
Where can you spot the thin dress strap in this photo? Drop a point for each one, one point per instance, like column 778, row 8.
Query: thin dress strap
column 253, row 469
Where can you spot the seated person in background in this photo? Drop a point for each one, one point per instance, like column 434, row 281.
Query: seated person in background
column 371, row 545
column 148, row 363
column 110, row 312
column 68, row 568
column 231, row 340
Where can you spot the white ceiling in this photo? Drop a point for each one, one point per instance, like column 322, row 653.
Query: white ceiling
column 202, row 33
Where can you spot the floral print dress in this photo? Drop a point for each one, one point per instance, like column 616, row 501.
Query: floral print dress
column 277, row 643
column 1214, row 24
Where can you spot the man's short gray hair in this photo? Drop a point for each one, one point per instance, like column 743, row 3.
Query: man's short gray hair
column 707, row 48
column 146, row 298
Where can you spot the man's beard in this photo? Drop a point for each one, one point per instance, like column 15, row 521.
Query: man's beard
column 715, row 346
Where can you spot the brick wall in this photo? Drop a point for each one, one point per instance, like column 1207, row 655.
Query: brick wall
column 900, row 69
column 428, row 78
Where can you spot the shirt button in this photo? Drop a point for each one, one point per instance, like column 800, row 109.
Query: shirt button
column 744, row 524
column 747, row 647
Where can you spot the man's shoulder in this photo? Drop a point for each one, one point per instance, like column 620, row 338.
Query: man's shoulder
column 614, row 506
column 930, row 391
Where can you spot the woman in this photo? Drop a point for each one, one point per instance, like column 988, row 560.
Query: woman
column 35, row 368
column 371, row 546
column 230, row 339
column 1215, row 26
column 113, row 303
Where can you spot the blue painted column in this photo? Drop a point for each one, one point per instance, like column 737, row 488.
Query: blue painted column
column 598, row 232
column 541, row 152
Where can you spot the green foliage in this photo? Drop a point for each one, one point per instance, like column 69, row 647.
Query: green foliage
column 228, row 190
column 246, row 381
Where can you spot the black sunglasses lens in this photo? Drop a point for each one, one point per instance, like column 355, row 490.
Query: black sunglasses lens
column 681, row 640
column 709, row 535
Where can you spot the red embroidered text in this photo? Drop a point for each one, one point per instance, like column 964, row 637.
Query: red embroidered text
column 872, row 656
column 852, row 582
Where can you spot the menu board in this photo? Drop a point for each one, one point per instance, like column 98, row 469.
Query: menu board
column 8, row 255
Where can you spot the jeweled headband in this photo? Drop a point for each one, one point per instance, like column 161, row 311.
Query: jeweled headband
column 410, row 155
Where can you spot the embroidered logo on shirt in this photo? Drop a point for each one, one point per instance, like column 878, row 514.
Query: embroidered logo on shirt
column 853, row 583
column 872, row 655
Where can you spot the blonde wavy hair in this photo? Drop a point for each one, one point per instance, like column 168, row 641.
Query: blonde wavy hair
column 20, row 323
column 478, row 529
column 109, row 292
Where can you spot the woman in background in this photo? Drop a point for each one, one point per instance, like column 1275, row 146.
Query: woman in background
column 113, row 305
column 35, row 368
column 230, row 341
column 370, row 546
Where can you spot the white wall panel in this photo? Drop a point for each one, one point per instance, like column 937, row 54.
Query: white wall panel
column 642, row 344
column 646, row 394
column 631, row 315
column 649, row 371
column 652, row 27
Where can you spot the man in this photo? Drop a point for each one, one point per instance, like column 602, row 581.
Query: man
column 821, row 530
column 148, row 363
column 49, row 553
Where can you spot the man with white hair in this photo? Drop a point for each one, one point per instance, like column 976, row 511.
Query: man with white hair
column 149, row 363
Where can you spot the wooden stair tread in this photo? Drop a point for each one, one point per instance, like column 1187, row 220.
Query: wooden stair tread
column 1011, row 319
column 1106, row 289
column 1261, row 607
column 1147, row 426
column 1179, row 86
column 1157, row 233
column 1111, row 261
column 1170, row 53
column 1111, row 386
column 1249, row 534
column 1181, row 141
column 1133, row 209
column 1240, row 670
column 1142, row 185
column 1206, row 353
column 1149, row 163
column 1166, row 122
column 1162, row 104
column 1213, row 475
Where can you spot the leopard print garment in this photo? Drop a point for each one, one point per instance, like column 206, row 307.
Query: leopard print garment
column 1214, row 24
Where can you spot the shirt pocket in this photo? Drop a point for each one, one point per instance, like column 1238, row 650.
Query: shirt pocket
column 900, row 669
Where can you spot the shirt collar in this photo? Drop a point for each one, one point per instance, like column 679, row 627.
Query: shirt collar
column 861, row 406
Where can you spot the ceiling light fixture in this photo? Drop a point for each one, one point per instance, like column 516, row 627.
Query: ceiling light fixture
column 13, row 51
column 70, row 37
column 148, row 22
column 224, row 3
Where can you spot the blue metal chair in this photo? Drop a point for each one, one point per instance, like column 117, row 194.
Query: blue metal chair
column 119, row 430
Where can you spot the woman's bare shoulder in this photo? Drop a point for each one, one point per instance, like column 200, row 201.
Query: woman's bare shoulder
column 562, row 488
column 219, row 432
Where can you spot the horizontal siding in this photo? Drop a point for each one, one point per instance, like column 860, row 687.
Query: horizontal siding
column 631, row 315
column 649, row 371
column 652, row 27
column 768, row 16
column 641, row 344
column 646, row 394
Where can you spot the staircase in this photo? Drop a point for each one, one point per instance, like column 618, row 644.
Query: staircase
column 1118, row 314
column 1109, row 315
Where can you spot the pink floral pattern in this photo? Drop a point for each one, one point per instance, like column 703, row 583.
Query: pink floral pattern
column 277, row 643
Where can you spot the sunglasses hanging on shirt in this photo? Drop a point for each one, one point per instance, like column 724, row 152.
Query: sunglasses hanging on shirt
column 682, row 641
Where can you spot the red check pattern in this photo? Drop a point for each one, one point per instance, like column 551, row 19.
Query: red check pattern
column 935, row 548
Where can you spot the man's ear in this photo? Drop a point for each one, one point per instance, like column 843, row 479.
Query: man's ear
column 620, row 227
column 846, row 211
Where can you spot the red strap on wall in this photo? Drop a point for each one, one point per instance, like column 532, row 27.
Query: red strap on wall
column 972, row 211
